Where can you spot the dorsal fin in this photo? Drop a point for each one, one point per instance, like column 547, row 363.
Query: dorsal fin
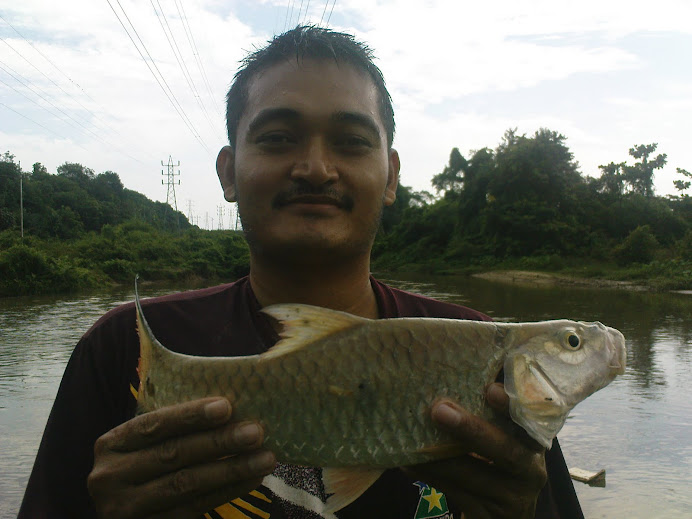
column 304, row 324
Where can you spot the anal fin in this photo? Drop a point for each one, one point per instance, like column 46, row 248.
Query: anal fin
column 346, row 484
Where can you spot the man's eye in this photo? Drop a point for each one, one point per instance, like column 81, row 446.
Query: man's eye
column 274, row 139
column 354, row 142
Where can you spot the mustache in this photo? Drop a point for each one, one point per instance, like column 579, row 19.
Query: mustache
column 298, row 190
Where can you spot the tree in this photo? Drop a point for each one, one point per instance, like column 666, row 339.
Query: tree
column 532, row 188
column 612, row 179
column 452, row 176
column 640, row 176
column 682, row 185
column 640, row 246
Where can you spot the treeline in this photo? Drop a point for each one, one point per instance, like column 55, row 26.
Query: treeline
column 75, row 201
column 84, row 230
column 526, row 204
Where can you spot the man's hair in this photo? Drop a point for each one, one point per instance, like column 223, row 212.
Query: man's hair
column 306, row 42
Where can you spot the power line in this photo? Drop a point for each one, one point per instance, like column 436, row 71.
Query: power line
column 179, row 58
column 289, row 7
column 326, row 3
column 193, row 46
column 305, row 16
column 76, row 85
column 330, row 12
column 26, row 83
column 47, row 59
column 299, row 10
column 39, row 124
column 171, row 97
column 67, row 94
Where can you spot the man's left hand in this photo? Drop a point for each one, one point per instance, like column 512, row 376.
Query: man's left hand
column 503, row 476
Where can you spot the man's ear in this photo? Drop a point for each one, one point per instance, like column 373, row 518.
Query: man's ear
column 392, row 177
column 225, row 169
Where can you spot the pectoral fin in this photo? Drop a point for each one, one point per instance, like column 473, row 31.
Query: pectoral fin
column 442, row 451
column 347, row 484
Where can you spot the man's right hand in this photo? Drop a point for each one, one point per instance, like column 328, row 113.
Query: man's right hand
column 177, row 462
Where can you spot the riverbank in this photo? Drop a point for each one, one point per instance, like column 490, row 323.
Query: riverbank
column 545, row 279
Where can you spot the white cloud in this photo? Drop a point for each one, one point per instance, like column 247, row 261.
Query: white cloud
column 460, row 74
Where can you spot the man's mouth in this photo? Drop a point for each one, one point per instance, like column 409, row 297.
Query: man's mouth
column 314, row 200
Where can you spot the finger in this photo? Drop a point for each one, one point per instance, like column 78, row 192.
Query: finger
column 205, row 486
column 151, row 428
column 176, row 453
column 497, row 397
column 485, row 438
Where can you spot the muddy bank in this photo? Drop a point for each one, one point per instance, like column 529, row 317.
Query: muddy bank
column 527, row 278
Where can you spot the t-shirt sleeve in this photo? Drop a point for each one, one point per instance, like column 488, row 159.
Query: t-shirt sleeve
column 92, row 399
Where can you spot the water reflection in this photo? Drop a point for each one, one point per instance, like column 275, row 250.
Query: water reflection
column 638, row 428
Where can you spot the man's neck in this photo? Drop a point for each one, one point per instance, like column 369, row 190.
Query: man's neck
column 347, row 289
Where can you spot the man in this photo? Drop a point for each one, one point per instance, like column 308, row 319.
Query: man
column 311, row 165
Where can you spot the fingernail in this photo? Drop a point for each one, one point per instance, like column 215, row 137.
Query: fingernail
column 217, row 410
column 262, row 463
column 447, row 415
column 247, row 434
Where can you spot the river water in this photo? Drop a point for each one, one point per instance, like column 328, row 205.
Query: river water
column 639, row 428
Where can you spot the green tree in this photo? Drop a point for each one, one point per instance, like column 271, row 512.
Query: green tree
column 640, row 176
column 531, row 204
column 683, row 185
column 640, row 246
column 612, row 180
column 452, row 176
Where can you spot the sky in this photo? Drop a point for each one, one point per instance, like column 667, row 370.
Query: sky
column 75, row 86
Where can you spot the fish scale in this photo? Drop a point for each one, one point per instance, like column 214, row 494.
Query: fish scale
column 343, row 391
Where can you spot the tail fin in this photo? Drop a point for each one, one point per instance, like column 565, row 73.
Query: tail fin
column 146, row 346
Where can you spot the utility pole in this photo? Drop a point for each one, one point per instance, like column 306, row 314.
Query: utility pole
column 21, row 199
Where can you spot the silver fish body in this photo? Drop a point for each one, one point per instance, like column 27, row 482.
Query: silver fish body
column 344, row 391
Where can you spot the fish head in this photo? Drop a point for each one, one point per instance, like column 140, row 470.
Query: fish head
column 554, row 366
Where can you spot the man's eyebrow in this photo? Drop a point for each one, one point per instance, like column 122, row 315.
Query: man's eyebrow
column 272, row 114
column 357, row 118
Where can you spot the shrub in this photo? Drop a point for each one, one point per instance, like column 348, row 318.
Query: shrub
column 640, row 246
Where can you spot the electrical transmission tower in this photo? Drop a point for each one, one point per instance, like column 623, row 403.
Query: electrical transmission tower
column 189, row 210
column 220, row 212
column 170, row 182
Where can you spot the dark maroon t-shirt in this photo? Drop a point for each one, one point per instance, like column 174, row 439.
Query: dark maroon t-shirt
column 97, row 394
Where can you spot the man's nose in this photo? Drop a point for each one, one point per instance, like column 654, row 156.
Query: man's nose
column 315, row 165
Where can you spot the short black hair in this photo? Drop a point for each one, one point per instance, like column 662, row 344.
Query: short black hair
column 306, row 41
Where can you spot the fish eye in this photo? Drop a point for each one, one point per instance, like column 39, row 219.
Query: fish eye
column 572, row 340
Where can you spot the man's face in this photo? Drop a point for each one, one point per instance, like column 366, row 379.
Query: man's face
column 311, row 170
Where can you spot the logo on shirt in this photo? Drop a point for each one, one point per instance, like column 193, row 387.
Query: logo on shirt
column 431, row 503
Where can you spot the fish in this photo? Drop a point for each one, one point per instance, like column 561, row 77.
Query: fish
column 353, row 395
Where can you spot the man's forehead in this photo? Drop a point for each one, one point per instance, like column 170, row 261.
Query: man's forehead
column 295, row 64
column 307, row 82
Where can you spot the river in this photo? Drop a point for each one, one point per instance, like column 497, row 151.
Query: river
column 639, row 428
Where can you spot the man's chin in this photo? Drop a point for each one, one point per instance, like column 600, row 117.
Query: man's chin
column 309, row 250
